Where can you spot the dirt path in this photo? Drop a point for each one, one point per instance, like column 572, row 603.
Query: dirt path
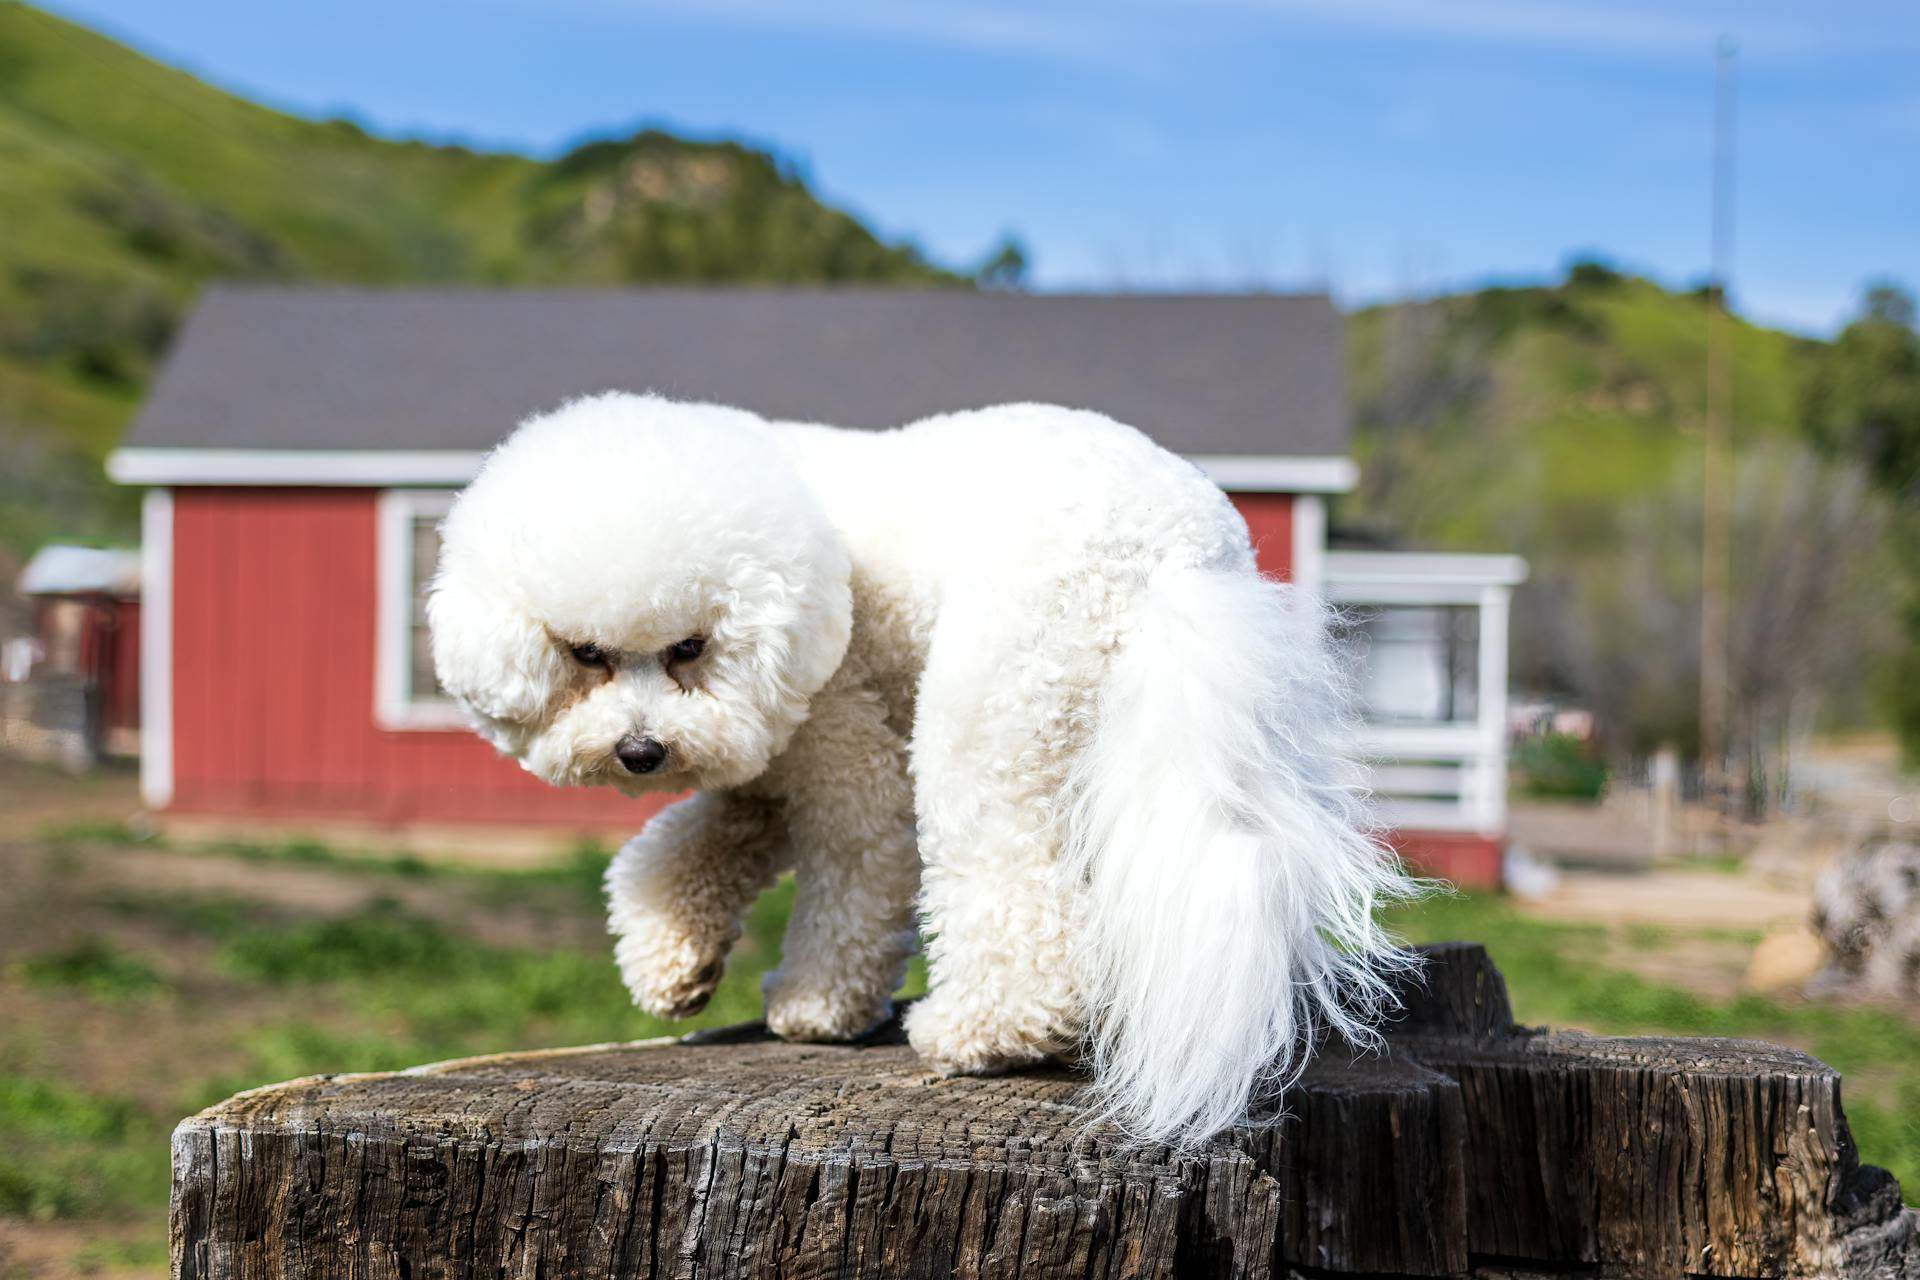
column 56, row 894
column 35, row 797
column 1671, row 898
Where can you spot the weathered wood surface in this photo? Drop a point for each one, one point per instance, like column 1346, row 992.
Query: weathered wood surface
column 1472, row 1146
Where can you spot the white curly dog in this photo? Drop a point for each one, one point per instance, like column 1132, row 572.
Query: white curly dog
column 1016, row 665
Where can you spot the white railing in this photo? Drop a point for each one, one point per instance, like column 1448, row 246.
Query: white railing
column 1431, row 784
column 1442, row 776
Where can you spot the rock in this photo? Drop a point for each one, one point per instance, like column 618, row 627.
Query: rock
column 1866, row 910
column 1784, row 961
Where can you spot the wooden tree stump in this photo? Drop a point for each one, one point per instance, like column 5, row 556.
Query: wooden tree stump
column 1470, row 1147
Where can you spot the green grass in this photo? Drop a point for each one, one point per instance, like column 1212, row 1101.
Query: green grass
column 97, row 832
column 1648, row 937
column 96, row 968
column 67, row 1153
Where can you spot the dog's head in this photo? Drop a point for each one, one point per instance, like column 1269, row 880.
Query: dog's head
column 639, row 593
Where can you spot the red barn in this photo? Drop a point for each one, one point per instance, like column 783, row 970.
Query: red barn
column 301, row 445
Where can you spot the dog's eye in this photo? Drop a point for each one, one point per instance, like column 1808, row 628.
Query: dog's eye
column 589, row 655
column 687, row 650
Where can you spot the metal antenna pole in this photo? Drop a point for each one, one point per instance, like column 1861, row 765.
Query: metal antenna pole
column 1717, row 465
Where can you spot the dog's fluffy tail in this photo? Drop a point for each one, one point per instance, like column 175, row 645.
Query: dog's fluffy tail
column 1221, row 836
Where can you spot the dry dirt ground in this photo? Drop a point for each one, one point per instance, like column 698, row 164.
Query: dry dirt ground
column 33, row 797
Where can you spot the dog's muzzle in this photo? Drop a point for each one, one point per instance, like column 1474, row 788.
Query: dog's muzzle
column 640, row 755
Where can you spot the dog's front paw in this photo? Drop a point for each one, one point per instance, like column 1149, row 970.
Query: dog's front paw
column 820, row 1012
column 957, row 1038
column 669, row 979
column 684, row 998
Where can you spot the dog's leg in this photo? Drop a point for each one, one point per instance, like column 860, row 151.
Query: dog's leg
column 1000, row 965
column 678, row 891
column 850, row 816
column 997, row 723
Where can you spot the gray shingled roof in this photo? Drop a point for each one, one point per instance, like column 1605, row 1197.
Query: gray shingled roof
column 323, row 368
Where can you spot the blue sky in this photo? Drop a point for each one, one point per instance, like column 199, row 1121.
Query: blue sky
column 1380, row 146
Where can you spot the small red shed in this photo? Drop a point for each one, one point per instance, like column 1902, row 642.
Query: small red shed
column 301, row 445
column 86, row 627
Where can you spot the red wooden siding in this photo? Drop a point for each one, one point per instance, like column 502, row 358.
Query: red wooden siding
column 273, row 662
column 1269, row 518
column 1466, row 858
column 120, row 681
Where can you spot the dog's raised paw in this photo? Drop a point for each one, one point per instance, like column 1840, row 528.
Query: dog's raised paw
column 686, row 998
column 668, row 981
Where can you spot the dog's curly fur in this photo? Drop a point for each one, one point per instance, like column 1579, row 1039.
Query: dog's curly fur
column 1017, row 663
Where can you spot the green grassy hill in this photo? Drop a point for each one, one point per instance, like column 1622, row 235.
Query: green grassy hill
column 124, row 184
column 1565, row 422
column 1574, row 395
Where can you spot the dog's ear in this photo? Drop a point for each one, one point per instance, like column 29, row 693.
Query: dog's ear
column 488, row 653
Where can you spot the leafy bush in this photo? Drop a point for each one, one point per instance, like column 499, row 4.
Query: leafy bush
column 1592, row 273
column 1559, row 765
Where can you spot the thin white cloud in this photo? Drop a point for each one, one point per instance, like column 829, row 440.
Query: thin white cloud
column 1135, row 34
column 1612, row 28
column 1068, row 32
column 1781, row 29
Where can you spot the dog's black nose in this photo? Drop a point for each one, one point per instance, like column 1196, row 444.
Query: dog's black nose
column 640, row 755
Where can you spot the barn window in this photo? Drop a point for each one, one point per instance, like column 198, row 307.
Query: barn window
column 406, row 695
column 1419, row 664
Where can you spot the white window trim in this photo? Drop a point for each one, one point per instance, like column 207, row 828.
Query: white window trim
column 156, row 648
column 393, row 704
column 1310, row 542
column 1490, row 805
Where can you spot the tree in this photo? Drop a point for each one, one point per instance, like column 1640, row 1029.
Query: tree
column 1863, row 403
column 1864, row 400
column 1590, row 271
column 1005, row 267
column 1808, row 611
